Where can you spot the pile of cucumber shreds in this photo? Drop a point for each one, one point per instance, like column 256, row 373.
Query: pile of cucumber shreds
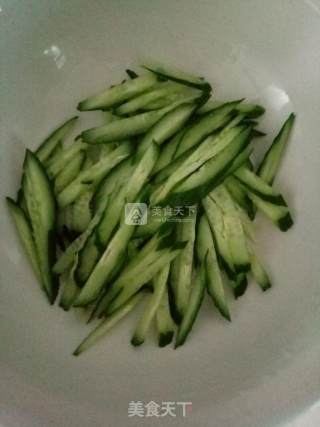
column 155, row 206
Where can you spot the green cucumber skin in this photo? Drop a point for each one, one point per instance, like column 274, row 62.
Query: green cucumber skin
column 108, row 324
column 240, row 196
column 274, row 199
column 88, row 257
column 259, row 274
column 196, row 194
column 70, row 290
column 277, row 145
column 49, row 144
column 196, row 299
column 124, row 128
column 167, row 73
column 167, row 126
column 241, row 285
column 35, row 174
column 164, row 322
column 206, row 126
column 285, row 222
column 165, row 338
column 195, row 166
column 279, row 215
column 115, row 95
column 150, row 310
column 24, row 230
column 67, row 175
column 181, row 267
column 207, row 253
column 58, row 163
column 258, row 186
column 167, row 153
column 166, row 254
column 88, row 179
column 132, row 74
column 101, row 272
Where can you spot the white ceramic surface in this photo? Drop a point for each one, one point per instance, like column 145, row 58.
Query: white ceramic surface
column 263, row 369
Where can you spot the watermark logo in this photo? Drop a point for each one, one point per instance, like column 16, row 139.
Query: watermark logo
column 136, row 214
column 173, row 213
column 160, row 409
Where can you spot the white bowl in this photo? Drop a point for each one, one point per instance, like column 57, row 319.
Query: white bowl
column 263, row 368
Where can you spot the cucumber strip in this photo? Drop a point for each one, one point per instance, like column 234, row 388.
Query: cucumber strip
column 103, row 302
column 164, row 322
column 129, row 282
column 116, row 178
column 201, row 182
column 167, row 171
column 181, row 267
column 209, row 148
column 67, row 258
column 240, row 195
column 111, row 216
column 42, row 210
column 133, row 247
column 63, row 159
column 124, row 128
column 259, row 274
column 147, row 251
column 207, row 254
column 251, row 110
column 239, row 285
column 24, row 230
column 270, row 164
column 70, row 289
column 81, row 212
column 247, row 224
column 105, row 266
column 168, row 151
column 278, row 214
column 108, row 324
column 90, row 177
column 100, row 307
column 196, row 299
column 132, row 74
column 241, row 160
column 117, row 94
column 55, row 154
column 178, row 97
column 167, row 126
column 176, row 75
column 158, row 91
column 210, row 105
column 233, row 229
column 207, row 124
column 98, row 151
column 108, row 117
column 68, row 174
column 215, row 218
column 256, row 133
column 128, row 194
column 259, row 187
column 50, row 143
column 155, row 221
column 88, row 256
column 154, row 300
column 91, row 251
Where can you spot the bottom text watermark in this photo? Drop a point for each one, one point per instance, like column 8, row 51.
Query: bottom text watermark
column 159, row 409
